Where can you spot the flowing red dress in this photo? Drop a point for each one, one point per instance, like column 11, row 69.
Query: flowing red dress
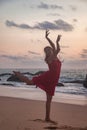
column 49, row 79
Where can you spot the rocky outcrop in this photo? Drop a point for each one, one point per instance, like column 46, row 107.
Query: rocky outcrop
column 13, row 78
column 60, row 84
column 7, row 84
column 37, row 73
column 16, row 79
column 75, row 81
column 4, row 74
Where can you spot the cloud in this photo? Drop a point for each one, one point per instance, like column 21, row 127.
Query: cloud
column 11, row 57
column 49, row 6
column 64, row 46
column 75, row 63
column 83, row 0
column 63, row 25
column 55, row 25
column 11, row 23
column 53, row 14
column 43, row 5
column 85, row 51
column 75, row 20
column 34, row 53
column 3, row 1
column 35, row 56
column 46, row 25
column 7, row 60
column 85, row 29
column 73, row 8
column 84, row 54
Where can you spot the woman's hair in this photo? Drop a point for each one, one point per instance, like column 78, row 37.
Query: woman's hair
column 48, row 52
column 47, row 48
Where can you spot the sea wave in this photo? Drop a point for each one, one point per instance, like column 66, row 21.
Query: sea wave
column 67, row 77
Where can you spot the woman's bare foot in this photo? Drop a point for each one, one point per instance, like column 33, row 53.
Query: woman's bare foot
column 51, row 121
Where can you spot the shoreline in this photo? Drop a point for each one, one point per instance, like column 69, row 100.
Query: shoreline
column 25, row 114
column 39, row 95
column 24, row 109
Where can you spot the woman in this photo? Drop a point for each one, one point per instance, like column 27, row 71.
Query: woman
column 49, row 79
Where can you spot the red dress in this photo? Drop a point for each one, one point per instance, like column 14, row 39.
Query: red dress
column 49, row 79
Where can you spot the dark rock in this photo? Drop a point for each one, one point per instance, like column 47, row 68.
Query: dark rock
column 16, row 79
column 37, row 73
column 85, row 82
column 7, row 84
column 75, row 81
column 4, row 74
column 27, row 73
column 60, row 84
column 13, row 78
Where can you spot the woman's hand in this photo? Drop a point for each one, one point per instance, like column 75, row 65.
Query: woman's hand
column 47, row 33
column 58, row 38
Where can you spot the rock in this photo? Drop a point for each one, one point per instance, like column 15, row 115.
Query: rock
column 7, row 84
column 16, row 79
column 37, row 73
column 85, row 82
column 75, row 81
column 13, row 78
column 4, row 74
column 60, row 84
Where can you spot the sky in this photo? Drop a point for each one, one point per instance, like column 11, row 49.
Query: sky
column 22, row 32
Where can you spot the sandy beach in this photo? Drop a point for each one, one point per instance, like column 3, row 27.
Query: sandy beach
column 25, row 114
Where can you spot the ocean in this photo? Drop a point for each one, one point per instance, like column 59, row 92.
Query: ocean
column 66, row 77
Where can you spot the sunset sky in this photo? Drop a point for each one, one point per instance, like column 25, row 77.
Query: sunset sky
column 22, row 32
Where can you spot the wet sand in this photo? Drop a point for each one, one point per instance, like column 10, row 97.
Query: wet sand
column 25, row 114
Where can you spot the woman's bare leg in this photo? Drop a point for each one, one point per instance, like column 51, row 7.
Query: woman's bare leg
column 23, row 78
column 48, row 107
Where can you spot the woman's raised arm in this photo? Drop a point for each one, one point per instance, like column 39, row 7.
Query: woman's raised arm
column 57, row 43
column 51, row 43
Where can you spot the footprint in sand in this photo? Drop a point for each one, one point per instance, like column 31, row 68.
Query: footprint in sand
column 51, row 127
column 40, row 120
column 64, row 128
